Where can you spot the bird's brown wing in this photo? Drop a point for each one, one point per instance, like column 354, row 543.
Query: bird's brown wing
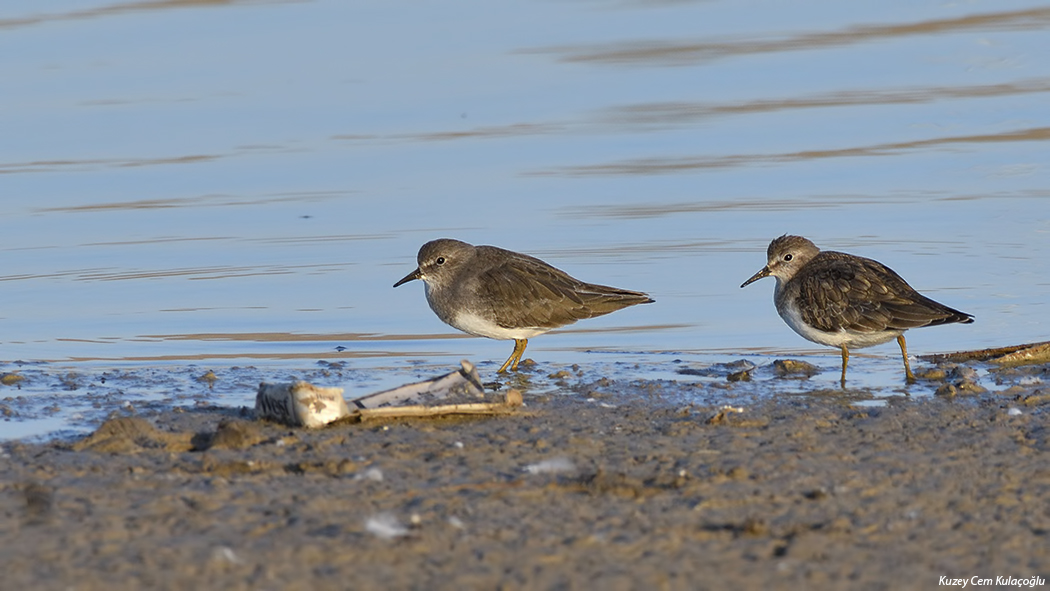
column 839, row 291
column 533, row 293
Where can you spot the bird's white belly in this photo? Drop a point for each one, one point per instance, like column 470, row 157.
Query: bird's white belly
column 852, row 339
column 476, row 325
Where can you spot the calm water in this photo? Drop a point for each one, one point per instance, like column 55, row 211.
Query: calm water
column 188, row 185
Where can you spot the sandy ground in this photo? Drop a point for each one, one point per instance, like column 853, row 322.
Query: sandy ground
column 586, row 490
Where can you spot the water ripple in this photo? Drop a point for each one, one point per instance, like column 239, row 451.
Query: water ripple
column 651, row 166
column 122, row 8
column 680, row 53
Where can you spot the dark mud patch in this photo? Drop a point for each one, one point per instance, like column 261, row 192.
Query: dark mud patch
column 609, row 492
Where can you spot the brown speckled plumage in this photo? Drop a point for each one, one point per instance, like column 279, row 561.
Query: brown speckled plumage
column 501, row 294
column 847, row 301
column 837, row 291
column 517, row 290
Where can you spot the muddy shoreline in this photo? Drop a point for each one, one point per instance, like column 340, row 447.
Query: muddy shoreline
column 596, row 488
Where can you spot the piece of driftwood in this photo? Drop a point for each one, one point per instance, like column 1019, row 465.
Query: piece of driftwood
column 301, row 404
column 1028, row 354
column 511, row 400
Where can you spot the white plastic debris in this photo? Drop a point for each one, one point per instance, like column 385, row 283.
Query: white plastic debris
column 374, row 474
column 226, row 554
column 300, row 404
column 551, row 466
column 385, row 526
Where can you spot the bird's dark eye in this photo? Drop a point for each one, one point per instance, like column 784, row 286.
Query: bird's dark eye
column 788, row 257
column 440, row 260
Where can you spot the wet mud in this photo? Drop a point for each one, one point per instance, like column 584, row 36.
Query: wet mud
column 612, row 484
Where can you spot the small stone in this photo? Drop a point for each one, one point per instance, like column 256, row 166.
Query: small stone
column 10, row 379
column 209, row 378
column 739, row 365
column 794, row 368
column 962, row 372
column 1035, row 399
column 962, row 387
column 932, row 374
column 740, row 376
column 970, row 387
column 947, row 390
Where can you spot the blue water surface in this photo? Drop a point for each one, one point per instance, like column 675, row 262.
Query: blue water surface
column 190, row 185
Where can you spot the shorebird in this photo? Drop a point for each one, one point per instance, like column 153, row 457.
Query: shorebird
column 846, row 301
column 491, row 292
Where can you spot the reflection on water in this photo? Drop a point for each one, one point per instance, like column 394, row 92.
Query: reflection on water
column 669, row 115
column 44, row 166
column 649, row 166
column 667, row 53
column 194, row 202
column 194, row 273
column 678, row 113
column 185, row 190
column 117, row 9
column 754, row 204
column 266, row 337
column 512, row 130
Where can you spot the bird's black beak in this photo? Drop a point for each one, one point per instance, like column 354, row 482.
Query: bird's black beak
column 765, row 272
column 417, row 274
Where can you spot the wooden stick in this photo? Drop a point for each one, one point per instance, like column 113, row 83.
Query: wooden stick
column 511, row 401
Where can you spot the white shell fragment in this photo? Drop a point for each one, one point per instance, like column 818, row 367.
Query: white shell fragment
column 300, row 404
column 385, row 526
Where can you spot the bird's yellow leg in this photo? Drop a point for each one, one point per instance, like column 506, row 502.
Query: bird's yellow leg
column 845, row 362
column 519, row 350
column 904, row 352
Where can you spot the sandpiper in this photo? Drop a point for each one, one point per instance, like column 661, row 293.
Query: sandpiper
column 847, row 301
column 491, row 292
